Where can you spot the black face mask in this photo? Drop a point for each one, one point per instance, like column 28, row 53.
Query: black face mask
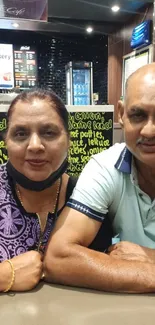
column 35, row 185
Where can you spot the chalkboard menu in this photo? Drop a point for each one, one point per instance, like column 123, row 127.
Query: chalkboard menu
column 3, row 127
column 91, row 132
column 25, row 65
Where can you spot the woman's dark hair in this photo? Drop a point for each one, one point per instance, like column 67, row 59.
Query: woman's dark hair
column 47, row 95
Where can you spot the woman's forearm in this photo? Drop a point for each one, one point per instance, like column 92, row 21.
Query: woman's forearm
column 5, row 275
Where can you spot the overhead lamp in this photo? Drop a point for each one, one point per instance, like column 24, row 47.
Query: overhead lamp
column 89, row 29
column 115, row 8
column 16, row 25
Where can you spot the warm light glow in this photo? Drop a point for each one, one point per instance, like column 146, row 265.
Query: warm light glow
column 89, row 29
column 115, row 8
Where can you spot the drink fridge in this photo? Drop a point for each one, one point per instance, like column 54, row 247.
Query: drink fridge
column 79, row 83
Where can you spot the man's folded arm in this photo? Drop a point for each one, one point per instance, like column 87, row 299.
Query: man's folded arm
column 68, row 261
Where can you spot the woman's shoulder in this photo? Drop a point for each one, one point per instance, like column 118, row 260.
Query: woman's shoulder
column 6, row 188
column 3, row 174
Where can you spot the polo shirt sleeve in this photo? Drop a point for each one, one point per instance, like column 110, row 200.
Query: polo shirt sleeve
column 94, row 190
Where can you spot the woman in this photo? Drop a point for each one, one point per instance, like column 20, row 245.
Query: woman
column 33, row 185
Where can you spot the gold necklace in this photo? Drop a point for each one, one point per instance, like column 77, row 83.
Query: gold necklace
column 37, row 214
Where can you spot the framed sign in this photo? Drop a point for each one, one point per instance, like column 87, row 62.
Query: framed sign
column 6, row 66
column 25, row 66
column 134, row 61
column 24, row 9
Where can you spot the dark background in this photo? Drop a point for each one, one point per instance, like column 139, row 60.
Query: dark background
column 54, row 52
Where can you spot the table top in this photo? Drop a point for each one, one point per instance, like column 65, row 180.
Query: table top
column 58, row 305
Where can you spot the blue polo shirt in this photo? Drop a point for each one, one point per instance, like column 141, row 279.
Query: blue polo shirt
column 108, row 188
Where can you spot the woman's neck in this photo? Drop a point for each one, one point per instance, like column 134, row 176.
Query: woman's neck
column 38, row 201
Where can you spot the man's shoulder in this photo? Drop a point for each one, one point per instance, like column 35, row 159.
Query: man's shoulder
column 110, row 156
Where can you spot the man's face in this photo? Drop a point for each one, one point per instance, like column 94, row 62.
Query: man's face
column 138, row 118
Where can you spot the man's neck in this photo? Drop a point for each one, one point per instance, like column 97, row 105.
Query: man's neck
column 146, row 178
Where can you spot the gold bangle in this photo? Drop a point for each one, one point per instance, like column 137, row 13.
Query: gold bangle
column 12, row 277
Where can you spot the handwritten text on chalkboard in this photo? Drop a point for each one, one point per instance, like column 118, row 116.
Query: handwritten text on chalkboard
column 3, row 127
column 91, row 132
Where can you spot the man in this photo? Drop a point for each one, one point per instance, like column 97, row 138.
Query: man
column 118, row 184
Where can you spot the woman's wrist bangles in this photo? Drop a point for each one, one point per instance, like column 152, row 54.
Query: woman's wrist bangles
column 12, row 276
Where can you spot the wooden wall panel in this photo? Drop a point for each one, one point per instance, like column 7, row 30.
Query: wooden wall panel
column 115, row 51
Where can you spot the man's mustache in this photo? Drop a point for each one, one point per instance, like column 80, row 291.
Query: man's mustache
column 142, row 140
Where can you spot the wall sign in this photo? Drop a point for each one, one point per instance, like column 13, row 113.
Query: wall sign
column 134, row 61
column 91, row 132
column 24, row 9
column 6, row 66
column 25, row 66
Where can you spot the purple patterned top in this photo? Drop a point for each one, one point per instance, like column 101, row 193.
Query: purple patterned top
column 19, row 230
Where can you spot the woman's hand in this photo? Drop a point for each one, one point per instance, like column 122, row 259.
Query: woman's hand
column 28, row 270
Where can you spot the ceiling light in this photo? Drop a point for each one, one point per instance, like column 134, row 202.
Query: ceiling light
column 89, row 29
column 115, row 8
column 16, row 25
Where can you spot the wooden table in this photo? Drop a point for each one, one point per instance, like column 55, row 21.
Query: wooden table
column 58, row 305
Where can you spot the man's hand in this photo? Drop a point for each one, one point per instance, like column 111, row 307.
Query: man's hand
column 130, row 251
column 28, row 270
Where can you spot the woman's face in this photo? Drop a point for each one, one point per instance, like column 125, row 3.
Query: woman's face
column 37, row 141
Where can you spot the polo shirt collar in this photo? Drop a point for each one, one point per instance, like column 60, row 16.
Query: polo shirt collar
column 124, row 162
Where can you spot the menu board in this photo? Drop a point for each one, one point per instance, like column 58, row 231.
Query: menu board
column 6, row 66
column 3, row 127
column 25, row 65
column 91, row 133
